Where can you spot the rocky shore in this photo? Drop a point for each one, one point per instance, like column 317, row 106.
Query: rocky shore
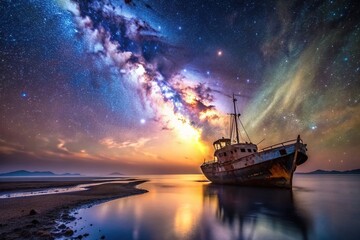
column 43, row 217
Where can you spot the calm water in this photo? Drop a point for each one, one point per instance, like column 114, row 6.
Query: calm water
column 181, row 207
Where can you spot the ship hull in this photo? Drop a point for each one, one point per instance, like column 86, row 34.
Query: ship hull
column 277, row 172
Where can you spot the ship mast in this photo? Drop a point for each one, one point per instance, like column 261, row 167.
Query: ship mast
column 235, row 119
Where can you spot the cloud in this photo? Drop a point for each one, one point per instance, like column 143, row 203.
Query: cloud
column 61, row 146
column 9, row 148
column 111, row 143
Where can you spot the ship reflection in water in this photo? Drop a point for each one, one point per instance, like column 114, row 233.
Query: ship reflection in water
column 257, row 213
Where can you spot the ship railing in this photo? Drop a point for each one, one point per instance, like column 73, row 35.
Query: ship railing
column 280, row 144
column 210, row 161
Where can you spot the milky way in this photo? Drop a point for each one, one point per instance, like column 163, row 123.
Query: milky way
column 144, row 87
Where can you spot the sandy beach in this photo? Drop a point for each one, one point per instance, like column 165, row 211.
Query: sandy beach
column 34, row 217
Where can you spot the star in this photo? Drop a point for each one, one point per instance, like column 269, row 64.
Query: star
column 314, row 127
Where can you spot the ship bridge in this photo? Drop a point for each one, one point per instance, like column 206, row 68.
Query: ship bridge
column 221, row 143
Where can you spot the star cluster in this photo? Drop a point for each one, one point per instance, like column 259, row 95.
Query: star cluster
column 144, row 86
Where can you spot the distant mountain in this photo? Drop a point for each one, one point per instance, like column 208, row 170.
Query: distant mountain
column 68, row 174
column 115, row 174
column 319, row 171
column 24, row 173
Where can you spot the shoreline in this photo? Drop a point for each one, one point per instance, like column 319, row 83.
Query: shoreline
column 36, row 217
column 31, row 183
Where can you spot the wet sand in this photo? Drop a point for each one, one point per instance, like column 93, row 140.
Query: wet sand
column 34, row 217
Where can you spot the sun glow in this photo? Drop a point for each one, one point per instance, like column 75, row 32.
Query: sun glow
column 188, row 133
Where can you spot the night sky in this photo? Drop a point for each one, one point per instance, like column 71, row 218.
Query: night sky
column 143, row 86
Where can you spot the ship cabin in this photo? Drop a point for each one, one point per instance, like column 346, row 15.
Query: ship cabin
column 225, row 151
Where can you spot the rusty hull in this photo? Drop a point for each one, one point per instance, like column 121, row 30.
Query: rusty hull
column 277, row 172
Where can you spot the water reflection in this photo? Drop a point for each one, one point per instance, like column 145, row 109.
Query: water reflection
column 185, row 207
column 257, row 213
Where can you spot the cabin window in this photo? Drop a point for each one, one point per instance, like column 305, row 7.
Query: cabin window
column 254, row 150
column 231, row 152
column 282, row 151
column 235, row 150
column 242, row 150
column 225, row 154
column 249, row 150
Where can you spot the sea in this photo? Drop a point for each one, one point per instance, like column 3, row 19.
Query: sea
column 188, row 207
